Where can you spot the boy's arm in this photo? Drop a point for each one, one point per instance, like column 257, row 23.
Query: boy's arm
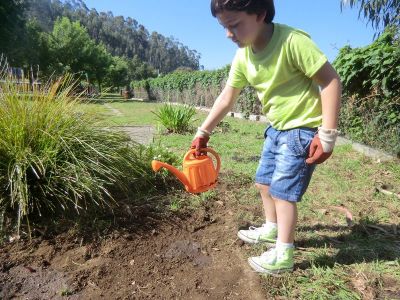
column 331, row 89
column 222, row 105
column 322, row 145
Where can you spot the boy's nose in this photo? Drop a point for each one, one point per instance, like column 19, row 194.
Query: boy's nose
column 229, row 34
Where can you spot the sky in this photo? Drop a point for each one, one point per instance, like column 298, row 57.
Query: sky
column 191, row 22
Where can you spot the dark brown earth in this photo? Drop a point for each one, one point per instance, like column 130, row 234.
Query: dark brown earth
column 192, row 255
column 146, row 251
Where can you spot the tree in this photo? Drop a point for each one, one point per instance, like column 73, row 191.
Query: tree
column 381, row 13
column 138, row 70
column 123, row 37
column 65, row 36
column 68, row 46
column 11, row 28
column 117, row 74
column 34, row 50
column 98, row 62
column 72, row 50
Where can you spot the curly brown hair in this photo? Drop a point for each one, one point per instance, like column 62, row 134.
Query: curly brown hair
column 249, row 6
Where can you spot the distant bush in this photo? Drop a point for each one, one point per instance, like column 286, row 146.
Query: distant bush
column 176, row 118
column 198, row 88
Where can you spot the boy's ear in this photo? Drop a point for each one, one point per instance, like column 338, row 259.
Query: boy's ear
column 261, row 17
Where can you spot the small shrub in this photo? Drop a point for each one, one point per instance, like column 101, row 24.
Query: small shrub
column 176, row 118
column 54, row 158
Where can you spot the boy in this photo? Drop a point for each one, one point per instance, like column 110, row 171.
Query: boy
column 300, row 95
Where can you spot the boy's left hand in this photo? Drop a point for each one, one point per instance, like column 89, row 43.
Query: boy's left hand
column 322, row 146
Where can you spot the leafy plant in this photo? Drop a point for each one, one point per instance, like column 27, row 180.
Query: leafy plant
column 374, row 69
column 176, row 118
column 371, row 92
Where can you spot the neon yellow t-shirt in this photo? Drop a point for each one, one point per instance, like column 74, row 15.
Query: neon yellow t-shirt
column 281, row 75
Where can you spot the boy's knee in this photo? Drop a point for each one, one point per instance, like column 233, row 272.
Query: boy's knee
column 261, row 187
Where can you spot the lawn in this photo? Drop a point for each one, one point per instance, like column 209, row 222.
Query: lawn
column 335, row 258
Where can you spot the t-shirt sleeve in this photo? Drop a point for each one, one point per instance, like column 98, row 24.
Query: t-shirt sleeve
column 237, row 78
column 305, row 54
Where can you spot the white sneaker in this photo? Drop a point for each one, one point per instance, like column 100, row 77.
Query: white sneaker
column 263, row 234
column 273, row 261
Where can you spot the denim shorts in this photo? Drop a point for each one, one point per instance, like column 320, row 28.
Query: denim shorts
column 283, row 164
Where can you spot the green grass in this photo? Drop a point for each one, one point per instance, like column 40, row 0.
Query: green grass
column 136, row 113
column 333, row 260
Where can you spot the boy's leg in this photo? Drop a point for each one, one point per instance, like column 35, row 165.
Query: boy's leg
column 286, row 212
column 268, row 203
column 279, row 259
column 268, row 231
column 289, row 182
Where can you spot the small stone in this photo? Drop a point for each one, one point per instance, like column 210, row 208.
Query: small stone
column 220, row 203
column 128, row 236
column 239, row 242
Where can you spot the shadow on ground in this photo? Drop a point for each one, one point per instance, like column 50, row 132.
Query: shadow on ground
column 357, row 244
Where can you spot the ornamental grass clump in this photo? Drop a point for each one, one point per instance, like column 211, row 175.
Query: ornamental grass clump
column 176, row 118
column 55, row 158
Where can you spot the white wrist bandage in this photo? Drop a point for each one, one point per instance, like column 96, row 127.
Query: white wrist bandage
column 327, row 138
column 202, row 132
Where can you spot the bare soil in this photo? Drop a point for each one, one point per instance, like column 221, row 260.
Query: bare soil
column 192, row 255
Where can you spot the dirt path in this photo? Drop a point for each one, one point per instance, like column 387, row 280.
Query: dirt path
column 190, row 257
column 115, row 111
column 141, row 134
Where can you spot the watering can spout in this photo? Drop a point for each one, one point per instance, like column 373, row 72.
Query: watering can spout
column 156, row 165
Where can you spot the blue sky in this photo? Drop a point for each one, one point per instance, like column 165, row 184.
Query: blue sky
column 190, row 22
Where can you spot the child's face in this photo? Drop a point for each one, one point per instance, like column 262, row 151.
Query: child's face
column 242, row 28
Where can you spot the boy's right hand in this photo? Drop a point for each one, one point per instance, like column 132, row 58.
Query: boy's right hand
column 200, row 141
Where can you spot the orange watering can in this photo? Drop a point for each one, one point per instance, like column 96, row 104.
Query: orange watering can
column 199, row 173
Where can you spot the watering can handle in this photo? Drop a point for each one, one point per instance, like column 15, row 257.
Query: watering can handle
column 192, row 151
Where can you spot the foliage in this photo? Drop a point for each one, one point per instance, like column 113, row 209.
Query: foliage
column 57, row 37
column 122, row 37
column 11, row 22
column 371, row 89
column 185, row 80
column 139, row 70
column 176, row 118
column 122, row 70
column 53, row 158
column 117, row 74
column 34, row 51
column 375, row 67
column 72, row 50
column 381, row 13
